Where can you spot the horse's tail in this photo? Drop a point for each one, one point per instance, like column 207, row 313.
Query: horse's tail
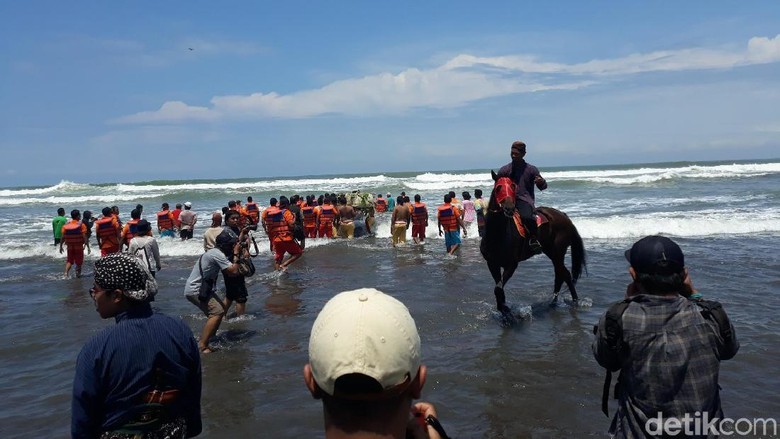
column 578, row 260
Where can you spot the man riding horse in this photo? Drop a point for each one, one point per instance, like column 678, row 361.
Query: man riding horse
column 525, row 176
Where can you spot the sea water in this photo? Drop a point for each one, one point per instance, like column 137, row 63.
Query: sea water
column 536, row 378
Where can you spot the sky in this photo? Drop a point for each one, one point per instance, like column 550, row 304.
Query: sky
column 97, row 91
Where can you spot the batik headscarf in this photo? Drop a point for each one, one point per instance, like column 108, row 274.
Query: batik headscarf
column 125, row 272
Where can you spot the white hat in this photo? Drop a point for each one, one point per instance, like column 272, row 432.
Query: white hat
column 364, row 331
column 187, row 204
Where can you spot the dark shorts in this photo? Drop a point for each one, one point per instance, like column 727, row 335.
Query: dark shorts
column 56, row 241
column 185, row 234
column 235, row 288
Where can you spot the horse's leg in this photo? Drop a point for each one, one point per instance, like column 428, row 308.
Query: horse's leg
column 498, row 291
column 501, row 301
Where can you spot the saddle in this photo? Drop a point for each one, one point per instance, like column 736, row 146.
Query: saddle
column 540, row 219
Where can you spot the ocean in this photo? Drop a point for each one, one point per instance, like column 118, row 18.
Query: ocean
column 535, row 379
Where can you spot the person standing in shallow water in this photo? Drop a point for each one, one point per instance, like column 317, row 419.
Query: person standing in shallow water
column 480, row 207
column 74, row 235
column 142, row 376
column 57, row 223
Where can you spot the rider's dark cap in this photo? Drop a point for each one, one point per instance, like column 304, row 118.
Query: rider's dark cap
column 656, row 255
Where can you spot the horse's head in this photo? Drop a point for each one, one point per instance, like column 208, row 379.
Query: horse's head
column 504, row 193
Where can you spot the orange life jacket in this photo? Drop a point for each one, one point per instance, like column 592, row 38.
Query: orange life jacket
column 132, row 229
column 419, row 213
column 277, row 225
column 72, row 233
column 381, row 205
column 447, row 218
column 164, row 220
column 309, row 216
column 253, row 211
column 327, row 214
column 106, row 229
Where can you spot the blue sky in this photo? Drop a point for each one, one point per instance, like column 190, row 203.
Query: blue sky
column 130, row 91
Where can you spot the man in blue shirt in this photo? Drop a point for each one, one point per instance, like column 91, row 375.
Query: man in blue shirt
column 141, row 376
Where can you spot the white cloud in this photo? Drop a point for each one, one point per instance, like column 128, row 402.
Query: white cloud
column 463, row 79
column 173, row 111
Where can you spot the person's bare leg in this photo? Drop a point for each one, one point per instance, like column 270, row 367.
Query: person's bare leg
column 78, row 270
column 454, row 248
column 67, row 269
column 290, row 260
column 209, row 330
column 240, row 309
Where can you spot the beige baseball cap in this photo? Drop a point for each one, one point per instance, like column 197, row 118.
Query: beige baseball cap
column 364, row 331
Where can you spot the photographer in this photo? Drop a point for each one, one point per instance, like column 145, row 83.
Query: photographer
column 201, row 286
column 235, row 286
column 667, row 343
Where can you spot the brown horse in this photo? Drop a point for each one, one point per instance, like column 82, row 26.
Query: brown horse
column 503, row 247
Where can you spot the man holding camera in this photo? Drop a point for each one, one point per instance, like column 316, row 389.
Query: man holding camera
column 235, row 286
column 201, row 286
column 666, row 341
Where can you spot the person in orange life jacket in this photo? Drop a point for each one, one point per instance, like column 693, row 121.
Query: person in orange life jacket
column 252, row 210
column 176, row 212
column 282, row 221
column 309, row 217
column 448, row 217
column 525, row 176
column 187, row 220
column 131, row 228
column 108, row 233
column 165, row 222
column 326, row 215
column 263, row 221
column 74, row 235
column 419, row 220
column 380, row 205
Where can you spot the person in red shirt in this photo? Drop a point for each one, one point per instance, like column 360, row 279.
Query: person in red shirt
column 74, row 235
column 419, row 220
column 326, row 216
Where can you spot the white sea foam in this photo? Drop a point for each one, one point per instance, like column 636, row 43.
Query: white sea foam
column 651, row 175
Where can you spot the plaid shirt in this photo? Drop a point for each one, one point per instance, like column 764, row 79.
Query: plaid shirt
column 669, row 362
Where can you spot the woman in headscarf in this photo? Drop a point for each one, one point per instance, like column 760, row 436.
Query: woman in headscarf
column 142, row 376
